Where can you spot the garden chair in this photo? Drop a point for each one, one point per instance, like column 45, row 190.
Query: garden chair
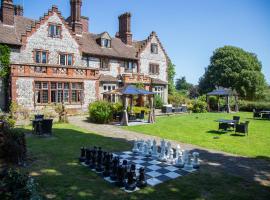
column 46, row 126
column 256, row 114
column 237, row 119
column 266, row 116
column 223, row 126
column 242, row 128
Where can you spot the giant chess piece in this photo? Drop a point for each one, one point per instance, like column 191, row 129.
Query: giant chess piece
column 162, row 155
column 185, row 155
column 179, row 161
column 135, row 147
column 145, row 149
column 188, row 164
column 87, row 156
column 168, row 149
column 141, row 146
column 154, row 149
column 131, row 179
column 195, row 161
column 107, row 165
column 93, row 158
column 141, row 183
column 171, row 158
column 83, row 152
column 120, row 180
column 178, row 151
column 99, row 167
column 115, row 164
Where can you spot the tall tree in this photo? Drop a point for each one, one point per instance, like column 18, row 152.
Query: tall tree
column 232, row 67
column 171, row 75
column 182, row 84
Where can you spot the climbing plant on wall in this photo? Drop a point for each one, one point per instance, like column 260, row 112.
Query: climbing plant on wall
column 4, row 67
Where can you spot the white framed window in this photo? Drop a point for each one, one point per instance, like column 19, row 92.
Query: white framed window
column 105, row 43
column 54, row 30
column 41, row 56
column 65, row 59
column 109, row 87
column 159, row 90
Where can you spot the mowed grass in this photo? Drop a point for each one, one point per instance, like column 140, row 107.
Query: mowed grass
column 201, row 129
column 53, row 162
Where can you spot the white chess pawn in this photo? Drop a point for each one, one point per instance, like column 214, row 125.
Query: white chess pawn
column 179, row 161
column 154, row 149
column 188, row 165
column 135, row 147
column 195, row 161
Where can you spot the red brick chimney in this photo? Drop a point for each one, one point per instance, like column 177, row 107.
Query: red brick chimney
column 125, row 28
column 7, row 12
column 75, row 21
column 18, row 10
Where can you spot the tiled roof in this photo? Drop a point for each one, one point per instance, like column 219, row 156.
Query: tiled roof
column 12, row 34
column 118, row 49
column 158, row 81
column 107, row 78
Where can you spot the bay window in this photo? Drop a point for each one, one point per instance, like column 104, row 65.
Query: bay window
column 58, row 92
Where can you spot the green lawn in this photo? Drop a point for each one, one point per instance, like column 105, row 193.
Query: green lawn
column 54, row 164
column 200, row 129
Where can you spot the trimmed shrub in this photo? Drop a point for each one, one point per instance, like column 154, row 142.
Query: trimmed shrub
column 17, row 185
column 117, row 107
column 138, row 110
column 250, row 105
column 100, row 112
column 158, row 102
column 198, row 106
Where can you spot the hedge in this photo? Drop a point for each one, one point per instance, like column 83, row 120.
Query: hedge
column 250, row 105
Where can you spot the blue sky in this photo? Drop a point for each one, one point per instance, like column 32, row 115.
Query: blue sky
column 190, row 30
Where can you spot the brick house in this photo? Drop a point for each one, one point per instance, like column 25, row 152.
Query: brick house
column 56, row 60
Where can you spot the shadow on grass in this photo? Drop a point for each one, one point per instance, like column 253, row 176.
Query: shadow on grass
column 59, row 175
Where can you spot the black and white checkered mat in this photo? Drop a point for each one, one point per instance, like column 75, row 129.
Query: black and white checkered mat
column 156, row 172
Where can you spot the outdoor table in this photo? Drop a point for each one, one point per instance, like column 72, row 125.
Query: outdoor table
column 226, row 121
column 42, row 126
column 265, row 114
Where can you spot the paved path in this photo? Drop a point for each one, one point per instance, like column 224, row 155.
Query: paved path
column 250, row 168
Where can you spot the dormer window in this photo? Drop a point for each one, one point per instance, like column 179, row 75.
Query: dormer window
column 55, row 30
column 105, row 43
column 104, row 40
column 154, row 48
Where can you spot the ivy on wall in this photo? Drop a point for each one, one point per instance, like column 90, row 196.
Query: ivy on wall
column 5, row 68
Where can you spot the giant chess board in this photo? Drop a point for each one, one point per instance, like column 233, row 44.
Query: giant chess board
column 156, row 172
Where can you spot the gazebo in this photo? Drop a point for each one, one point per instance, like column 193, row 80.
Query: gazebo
column 223, row 92
column 129, row 92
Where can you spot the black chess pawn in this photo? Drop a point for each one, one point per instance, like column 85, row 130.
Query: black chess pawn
column 87, row 156
column 82, row 157
column 141, row 183
column 120, row 180
column 115, row 164
column 99, row 167
column 131, row 182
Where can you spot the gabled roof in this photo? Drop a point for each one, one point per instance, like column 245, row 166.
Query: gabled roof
column 141, row 45
column 118, row 49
